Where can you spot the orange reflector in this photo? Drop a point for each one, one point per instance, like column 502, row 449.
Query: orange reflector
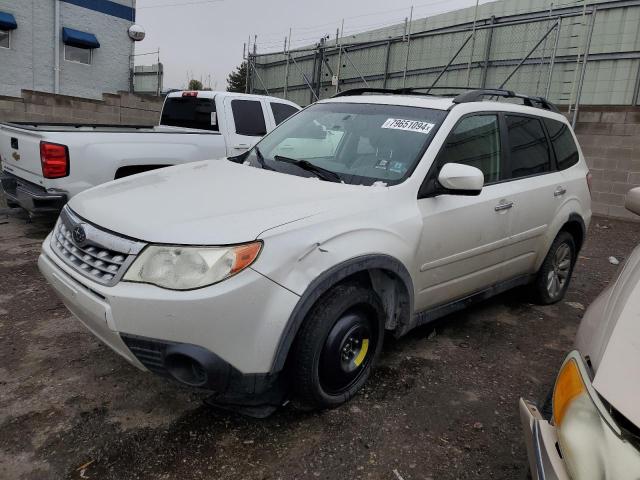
column 245, row 255
column 569, row 385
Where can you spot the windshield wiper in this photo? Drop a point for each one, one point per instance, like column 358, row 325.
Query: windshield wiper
column 261, row 160
column 321, row 173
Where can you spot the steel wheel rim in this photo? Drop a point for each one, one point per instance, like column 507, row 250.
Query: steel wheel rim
column 558, row 276
column 347, row 352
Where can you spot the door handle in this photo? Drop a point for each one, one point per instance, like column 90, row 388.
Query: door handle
column 559, row 192
column 503, row 206
column 241, row 145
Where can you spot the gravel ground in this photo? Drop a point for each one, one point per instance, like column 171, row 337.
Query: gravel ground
column 441, row 405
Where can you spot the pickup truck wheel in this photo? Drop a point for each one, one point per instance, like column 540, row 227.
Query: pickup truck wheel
column 337, row 346
column 554, row 275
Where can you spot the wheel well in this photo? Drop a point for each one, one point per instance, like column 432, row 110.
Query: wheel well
column 392, row 292
column 387, row 276
column 576, row 230
column 129, row 170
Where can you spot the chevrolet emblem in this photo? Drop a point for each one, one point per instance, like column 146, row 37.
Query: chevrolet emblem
column 16, row 156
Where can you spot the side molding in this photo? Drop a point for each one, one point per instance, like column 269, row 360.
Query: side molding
column 324, row 282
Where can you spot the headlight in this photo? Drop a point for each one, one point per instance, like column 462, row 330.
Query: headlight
column 590, row 441
column 186, row 268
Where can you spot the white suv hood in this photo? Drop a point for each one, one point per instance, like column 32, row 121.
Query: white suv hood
column 609, row 335
column 207, row 203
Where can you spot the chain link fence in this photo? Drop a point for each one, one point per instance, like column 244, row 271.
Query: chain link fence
column 586, row 54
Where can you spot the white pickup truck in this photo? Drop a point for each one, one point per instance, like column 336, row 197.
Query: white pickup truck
column 44, row 165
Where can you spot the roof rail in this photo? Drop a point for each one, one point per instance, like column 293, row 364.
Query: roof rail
column 530, row 101
column 470, row 95
column 396, row 91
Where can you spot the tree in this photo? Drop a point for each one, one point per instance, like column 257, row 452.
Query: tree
column 237, row 80
column 194, row 84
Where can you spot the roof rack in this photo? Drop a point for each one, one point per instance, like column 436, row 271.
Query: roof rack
column 470, row 95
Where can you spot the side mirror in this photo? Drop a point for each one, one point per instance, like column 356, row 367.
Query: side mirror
column 458, row 179
column 633, row 200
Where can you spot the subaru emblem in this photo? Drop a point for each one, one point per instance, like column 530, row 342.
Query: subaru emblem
column 78, row 234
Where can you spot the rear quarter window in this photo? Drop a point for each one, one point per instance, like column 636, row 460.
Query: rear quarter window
column 529, row 149
column 190, row 112
column 563, row 143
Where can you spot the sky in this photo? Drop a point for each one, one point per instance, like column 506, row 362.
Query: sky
column 204, row 39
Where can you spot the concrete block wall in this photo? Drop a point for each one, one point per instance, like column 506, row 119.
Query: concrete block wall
column 610, row 140
column 122, row 108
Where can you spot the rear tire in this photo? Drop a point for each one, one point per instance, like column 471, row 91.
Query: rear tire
column 554, row 276
column 337, row 346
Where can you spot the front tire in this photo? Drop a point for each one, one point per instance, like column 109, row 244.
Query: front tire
column 337, row 346
column 554, row 275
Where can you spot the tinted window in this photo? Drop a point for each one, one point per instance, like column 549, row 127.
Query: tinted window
column 282, row 111
column 475, row 141
column 248, row 117
column 190, row 112
column 563, row 143
column 529, row 147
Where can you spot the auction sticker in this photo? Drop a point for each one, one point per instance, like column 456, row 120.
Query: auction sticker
column 408, row 125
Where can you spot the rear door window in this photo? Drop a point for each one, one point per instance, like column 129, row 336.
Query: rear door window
column 563, row 144
column 190, row 112
column 282, row 111
column 249, row 118
column 475, row 141
column 529, row 149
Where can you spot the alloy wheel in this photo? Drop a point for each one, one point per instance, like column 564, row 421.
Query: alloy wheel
column 558, row 276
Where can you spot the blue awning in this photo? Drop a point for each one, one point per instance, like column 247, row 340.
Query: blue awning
column 7, row 21
column 79, row 39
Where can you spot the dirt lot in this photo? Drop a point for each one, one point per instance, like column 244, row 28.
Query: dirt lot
column 440, row 406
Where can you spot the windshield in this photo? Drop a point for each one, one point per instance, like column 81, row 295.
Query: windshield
column 349, row 142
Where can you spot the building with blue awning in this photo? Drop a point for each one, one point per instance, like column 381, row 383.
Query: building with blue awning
column 72, row 47
column 7, row 21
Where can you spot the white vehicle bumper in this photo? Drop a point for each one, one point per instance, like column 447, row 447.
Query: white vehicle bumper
column 234, row 325
column 541, row 440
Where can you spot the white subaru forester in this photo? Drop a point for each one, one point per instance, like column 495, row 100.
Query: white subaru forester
column 279, row 272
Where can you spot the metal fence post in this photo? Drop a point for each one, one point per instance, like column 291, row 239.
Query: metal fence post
column 552, row 60
column 487, row 52
column 584, row 65
column 247, row 83
column 386, row 65
column 287, row 49
column 339, row 67
column 473, row 42
column 406, row 60
column 636, row 91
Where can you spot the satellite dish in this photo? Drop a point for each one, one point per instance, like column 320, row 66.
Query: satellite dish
column 136, row 33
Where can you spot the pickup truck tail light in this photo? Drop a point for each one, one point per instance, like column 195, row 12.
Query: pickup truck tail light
column 55, row 160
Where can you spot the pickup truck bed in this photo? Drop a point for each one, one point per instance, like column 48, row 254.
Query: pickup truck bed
column 45, row 164
column 120, row 150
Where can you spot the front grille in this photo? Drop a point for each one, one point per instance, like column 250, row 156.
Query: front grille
column 95, row 253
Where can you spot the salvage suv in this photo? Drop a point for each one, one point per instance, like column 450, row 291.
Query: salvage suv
column 279, row 272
